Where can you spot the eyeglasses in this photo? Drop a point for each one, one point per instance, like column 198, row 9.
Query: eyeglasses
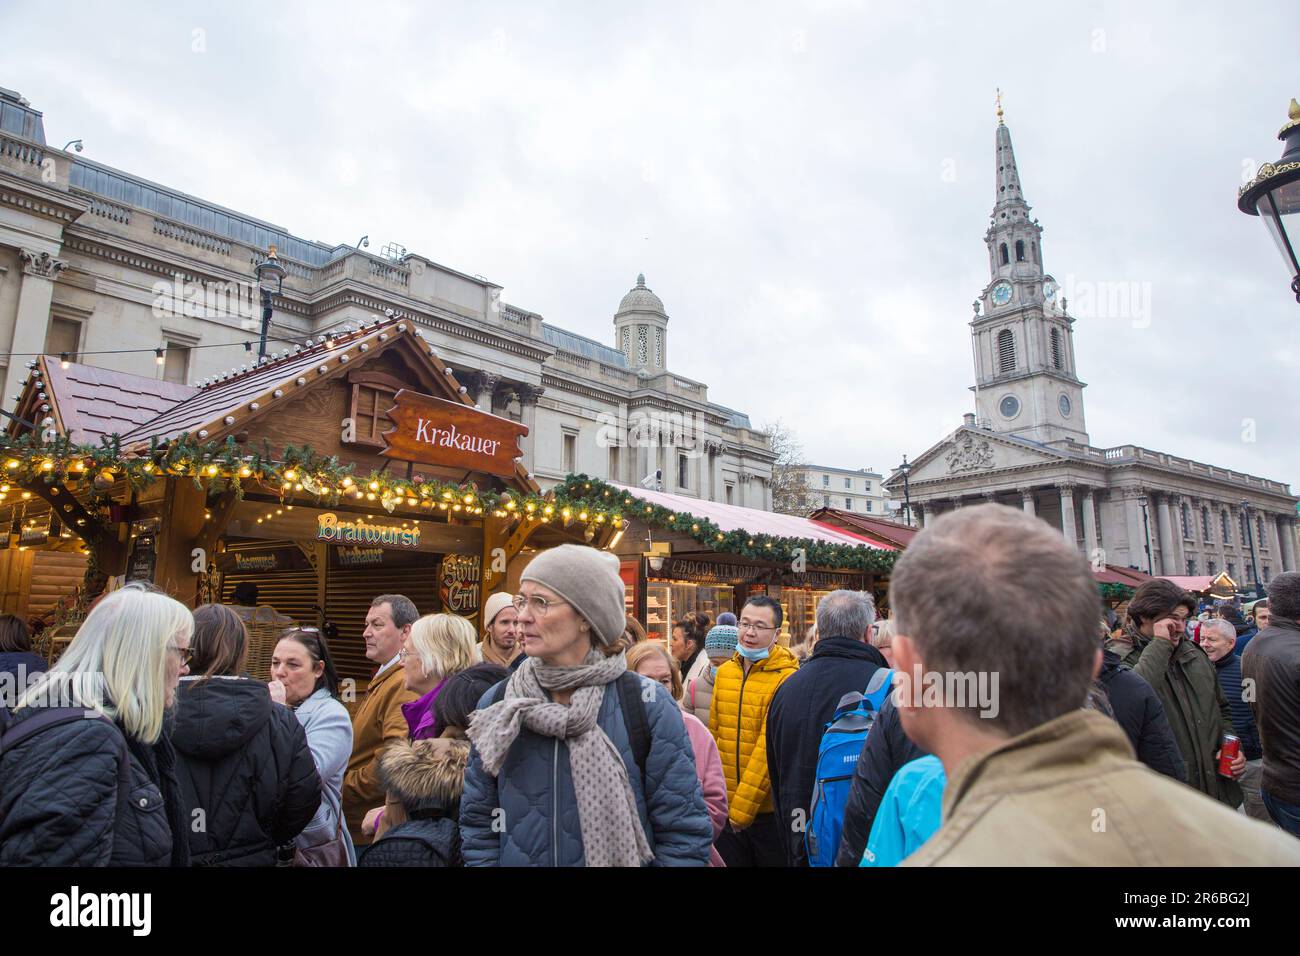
column 759, row 629
column 538, row 605
column 186, row 653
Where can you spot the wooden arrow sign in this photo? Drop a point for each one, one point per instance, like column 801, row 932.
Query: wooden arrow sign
column 434, row 431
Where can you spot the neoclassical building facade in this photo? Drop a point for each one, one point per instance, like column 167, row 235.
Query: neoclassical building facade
column 113, row 270
column 1027, row 444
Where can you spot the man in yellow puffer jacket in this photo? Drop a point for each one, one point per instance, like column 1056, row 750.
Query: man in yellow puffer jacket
column 742, row 693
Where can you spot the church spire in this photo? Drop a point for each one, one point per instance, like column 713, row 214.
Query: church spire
column 1008, row 179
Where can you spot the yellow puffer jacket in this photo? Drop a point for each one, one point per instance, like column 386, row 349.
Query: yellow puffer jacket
column 738, row 721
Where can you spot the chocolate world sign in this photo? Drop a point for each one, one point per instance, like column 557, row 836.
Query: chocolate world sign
column 434, row 431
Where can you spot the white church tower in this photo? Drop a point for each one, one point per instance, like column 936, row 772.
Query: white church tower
column 1026, row 380
column 641, row 329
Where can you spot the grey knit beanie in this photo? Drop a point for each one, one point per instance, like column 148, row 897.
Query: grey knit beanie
column 588, row 579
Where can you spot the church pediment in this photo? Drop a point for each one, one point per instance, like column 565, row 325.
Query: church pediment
column 973, row 451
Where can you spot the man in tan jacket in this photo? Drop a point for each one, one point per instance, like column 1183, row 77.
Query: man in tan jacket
column 996, row 645
column 379, row 719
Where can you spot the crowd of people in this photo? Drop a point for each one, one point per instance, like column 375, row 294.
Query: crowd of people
column 556, row 734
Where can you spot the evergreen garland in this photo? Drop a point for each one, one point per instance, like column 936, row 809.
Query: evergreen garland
column 583, row 494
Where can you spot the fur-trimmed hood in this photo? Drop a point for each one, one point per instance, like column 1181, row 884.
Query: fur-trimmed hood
column 425, row 774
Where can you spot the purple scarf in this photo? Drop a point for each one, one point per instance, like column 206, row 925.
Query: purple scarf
column 420, row 717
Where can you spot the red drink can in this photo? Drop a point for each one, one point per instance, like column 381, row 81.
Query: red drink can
column 1227, row 754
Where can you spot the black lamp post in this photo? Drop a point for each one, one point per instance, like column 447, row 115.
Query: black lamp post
column 270, row 280
column 906, row 469
column 1146, row 533
column 1254, row 560
column 1274, row 196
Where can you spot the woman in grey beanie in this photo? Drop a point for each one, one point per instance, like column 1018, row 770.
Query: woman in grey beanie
column 576, row 761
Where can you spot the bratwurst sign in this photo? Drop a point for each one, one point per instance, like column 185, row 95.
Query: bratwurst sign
column 434, row 431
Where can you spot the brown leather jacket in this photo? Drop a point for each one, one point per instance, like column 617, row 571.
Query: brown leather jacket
column 377, row 721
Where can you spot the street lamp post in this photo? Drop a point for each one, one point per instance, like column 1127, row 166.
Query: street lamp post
column 1274, row 196
column 270, row 280
column 1254, row 560
column 1146, row 532
column 906, row 469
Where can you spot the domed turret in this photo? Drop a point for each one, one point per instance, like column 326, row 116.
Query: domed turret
column 641, row 329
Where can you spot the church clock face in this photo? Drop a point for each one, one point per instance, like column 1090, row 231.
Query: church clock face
column 1001, row 293
column 1063, row 403
column 1009, row 406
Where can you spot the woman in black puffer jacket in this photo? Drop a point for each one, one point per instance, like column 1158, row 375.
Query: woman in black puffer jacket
column 247, row 775
column 102, row 791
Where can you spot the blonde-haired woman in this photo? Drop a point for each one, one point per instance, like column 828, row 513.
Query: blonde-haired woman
column 101, row 791
column 438, row 647
column 882, row 639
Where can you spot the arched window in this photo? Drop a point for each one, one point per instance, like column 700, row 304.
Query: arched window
column 1006, row 351
column 1056, row 349
column 1020, row 250
column 1005, row 257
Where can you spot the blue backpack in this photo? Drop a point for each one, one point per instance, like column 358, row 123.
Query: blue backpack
column 837, row 757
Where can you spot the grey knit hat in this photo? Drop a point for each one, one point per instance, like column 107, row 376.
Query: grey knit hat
column 588, row 579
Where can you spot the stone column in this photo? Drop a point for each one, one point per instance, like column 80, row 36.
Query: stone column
column 1286, row 531
column 1165, row 527
column 1027, row 499
column 32, row 319
column 1176, row 532
column 717, row 491
column 487, row 385
column 528, row 396
column 1089, row 523
column 918, row 514
column 1068, row 528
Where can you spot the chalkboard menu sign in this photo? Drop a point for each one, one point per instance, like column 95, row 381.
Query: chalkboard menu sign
column 144, row 550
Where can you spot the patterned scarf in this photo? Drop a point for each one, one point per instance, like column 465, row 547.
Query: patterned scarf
column 607, row 813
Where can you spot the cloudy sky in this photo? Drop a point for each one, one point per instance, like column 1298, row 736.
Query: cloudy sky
column 805, row 185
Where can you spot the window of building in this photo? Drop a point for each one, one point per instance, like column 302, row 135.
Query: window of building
column 1227, row 530
column 63, row 335
column 570, row 453
column 826, row 501
column 1266, row 574
column 1245, row 528
column 1056, row 348
column 1020, row 250
column 1184, row 512
column 1191, row 568
column 867, row 485
column 683, row 472
column 1212, row 569
column 176, row 367
column 1259, row 529
column 613, row 464
column 1205, row 523
column 848, row 483
column 1250, row 571
column 728, row 492
column 1232, row 570
column 848, row 504
column 642, row 344
column 869, row 508
column 1006, row 352
column 1005, row 257
column 826, row 481
column 659, row 348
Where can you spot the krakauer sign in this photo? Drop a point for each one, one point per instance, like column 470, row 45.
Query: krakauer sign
column 434, row 431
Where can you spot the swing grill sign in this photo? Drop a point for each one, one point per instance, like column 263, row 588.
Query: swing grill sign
column 434, row 431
